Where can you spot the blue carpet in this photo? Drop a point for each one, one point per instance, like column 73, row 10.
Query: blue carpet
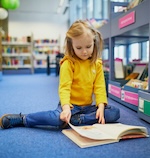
column 33, row 93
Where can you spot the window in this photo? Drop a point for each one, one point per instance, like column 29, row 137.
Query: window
column 105, row 54
column 134, row 52
column 79, row 10
column 89, row 9
column 97, row 12
column 119, row 52
column 145, row 51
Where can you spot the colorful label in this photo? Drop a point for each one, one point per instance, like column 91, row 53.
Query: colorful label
column 127, row 20
column 141, row 105
column 114, row 90
column 129, row 97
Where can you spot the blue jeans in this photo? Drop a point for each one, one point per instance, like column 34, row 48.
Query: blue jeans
column 80, row 115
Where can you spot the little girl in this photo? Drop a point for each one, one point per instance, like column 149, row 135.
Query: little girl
column 82, row 90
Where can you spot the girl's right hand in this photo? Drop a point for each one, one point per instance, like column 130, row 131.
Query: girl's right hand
column 65, row 115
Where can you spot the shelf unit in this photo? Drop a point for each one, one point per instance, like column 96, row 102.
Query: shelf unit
column 42, row 49
column 17, row 57
column 127, row 28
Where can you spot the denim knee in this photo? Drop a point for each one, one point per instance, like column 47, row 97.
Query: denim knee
column 112, row 114
column 116, row 113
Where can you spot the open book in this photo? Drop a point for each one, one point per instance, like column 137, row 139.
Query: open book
column 99, row 134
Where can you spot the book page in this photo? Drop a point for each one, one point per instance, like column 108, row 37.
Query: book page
column 108, row 131
column 119, row 69
column 91, row 132
column 139, row 68
column 84, row 142
column 117, row 130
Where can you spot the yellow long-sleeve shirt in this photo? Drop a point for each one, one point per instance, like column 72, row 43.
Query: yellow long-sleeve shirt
column 79, row 80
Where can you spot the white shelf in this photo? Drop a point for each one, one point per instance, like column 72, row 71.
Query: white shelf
column 31, row 53
column 46, row 45
column 44, row 66
column 16, row 66
column 16, row 43
column 16, row 55
column 40, row 66
column 40, row 56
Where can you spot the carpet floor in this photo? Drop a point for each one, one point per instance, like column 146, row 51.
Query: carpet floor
column 38, row 92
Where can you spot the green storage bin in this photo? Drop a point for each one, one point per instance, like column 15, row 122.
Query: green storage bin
column 146, row 107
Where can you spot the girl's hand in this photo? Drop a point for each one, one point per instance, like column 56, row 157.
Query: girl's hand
column 100, row 114
column 65, row 115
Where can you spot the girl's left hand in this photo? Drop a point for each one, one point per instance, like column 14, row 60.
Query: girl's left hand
column 100, row 114
column 65, row 115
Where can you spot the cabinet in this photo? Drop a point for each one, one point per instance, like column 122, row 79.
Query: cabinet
column 42, row 49
column 17, row 55
column 125, row 29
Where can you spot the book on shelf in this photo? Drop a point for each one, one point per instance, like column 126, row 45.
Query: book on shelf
column 100, row 134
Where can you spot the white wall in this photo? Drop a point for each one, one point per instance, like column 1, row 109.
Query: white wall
column 39, row 21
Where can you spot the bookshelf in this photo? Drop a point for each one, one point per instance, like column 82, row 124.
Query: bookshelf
column 17, row 55
column 127, row 28
column 42, row 49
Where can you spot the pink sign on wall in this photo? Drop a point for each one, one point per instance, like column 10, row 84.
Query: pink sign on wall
column 127, row 20
column 129, row 97
column 114, row 90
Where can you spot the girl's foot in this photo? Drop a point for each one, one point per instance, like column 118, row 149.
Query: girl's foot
column 11, row 120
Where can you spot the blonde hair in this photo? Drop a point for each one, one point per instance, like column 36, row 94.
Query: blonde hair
column 78, row 28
